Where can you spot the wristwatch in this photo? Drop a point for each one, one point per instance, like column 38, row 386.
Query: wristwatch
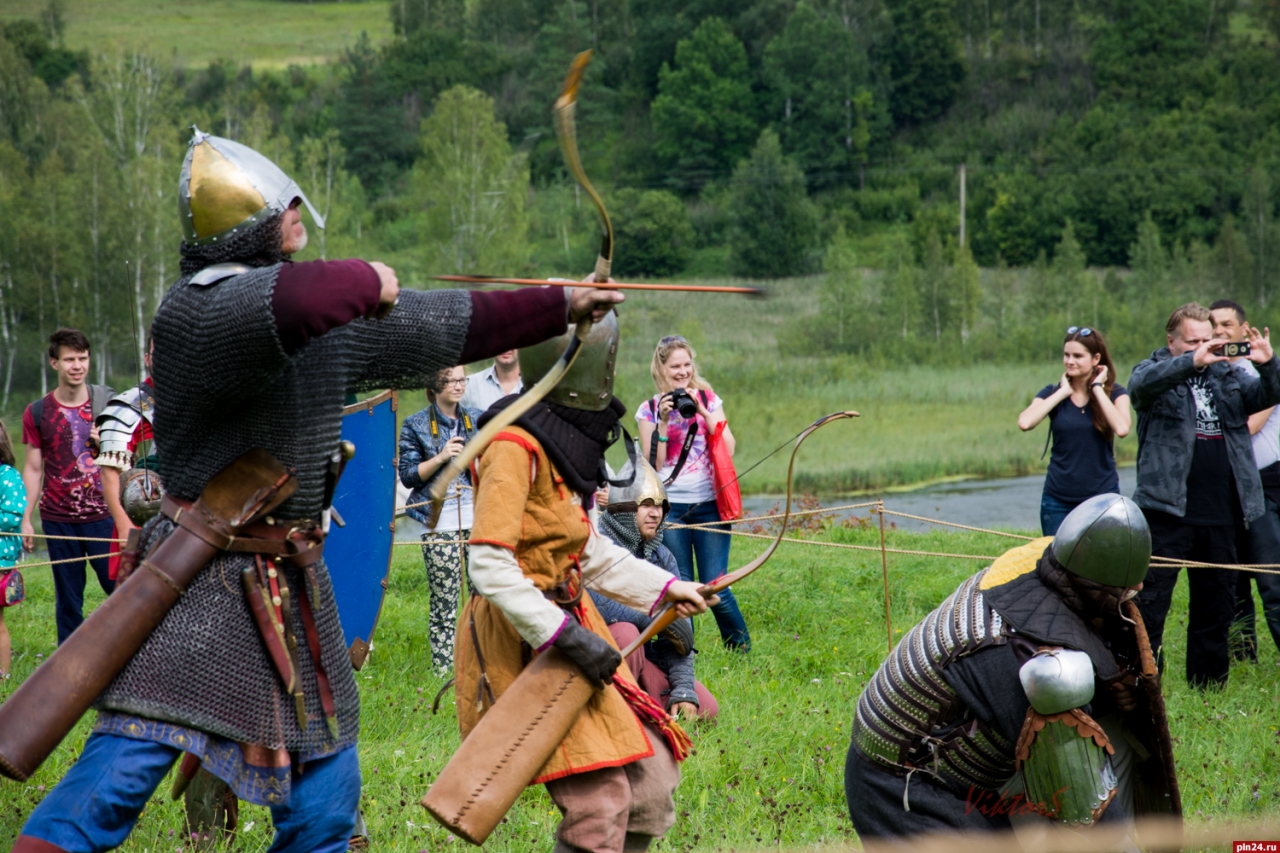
column 1097, row 385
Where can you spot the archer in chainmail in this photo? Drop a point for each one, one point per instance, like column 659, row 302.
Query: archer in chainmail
column 946, row 734
column 255, row 351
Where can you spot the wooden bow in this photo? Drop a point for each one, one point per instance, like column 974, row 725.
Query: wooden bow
column 668, row 613
column 565, row 109
column 565, row 106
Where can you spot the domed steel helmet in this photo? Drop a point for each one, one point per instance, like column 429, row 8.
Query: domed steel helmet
column 589, row 383
column 227, row 188
column 1105, row 539
column 645, row 487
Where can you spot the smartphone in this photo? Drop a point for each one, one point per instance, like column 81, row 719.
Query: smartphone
column 1235, row 349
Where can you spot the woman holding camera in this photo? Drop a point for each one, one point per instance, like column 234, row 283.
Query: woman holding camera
column 428, row 441
column 1087, row 411
column 683, row 400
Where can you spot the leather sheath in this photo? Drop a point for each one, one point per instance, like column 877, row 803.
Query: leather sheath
column 40, row 713
column 510, row 745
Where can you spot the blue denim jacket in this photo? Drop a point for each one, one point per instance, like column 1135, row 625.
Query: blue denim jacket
column 1167, row 427
column 417, row 445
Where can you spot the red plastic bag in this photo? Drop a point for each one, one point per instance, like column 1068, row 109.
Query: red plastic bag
column 723, row 475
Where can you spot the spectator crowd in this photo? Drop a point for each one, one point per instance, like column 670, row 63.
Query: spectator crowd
column 1208, row 470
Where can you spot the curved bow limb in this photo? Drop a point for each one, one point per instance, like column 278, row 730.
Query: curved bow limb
column 668, row 613
column 565, row 111
column 564, row 108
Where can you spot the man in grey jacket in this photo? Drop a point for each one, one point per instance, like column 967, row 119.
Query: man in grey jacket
column 1196, row 476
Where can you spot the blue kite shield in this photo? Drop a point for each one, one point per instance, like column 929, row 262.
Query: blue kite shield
column 359, row 554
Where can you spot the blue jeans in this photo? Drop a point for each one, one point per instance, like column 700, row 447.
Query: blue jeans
column 1052, row 511
column 97, row 803
column 712, row 555
column 69, row 578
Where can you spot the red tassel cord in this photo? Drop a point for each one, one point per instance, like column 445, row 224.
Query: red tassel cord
column 651, row 712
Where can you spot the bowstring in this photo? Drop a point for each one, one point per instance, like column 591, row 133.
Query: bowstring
column 736, row 478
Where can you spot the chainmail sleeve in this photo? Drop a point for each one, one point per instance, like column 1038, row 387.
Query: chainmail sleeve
column 423, row 333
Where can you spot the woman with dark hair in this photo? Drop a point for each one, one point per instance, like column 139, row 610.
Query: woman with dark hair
column 1087, row 411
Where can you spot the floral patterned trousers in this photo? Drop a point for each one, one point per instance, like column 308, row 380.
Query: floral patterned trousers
column 444, row 551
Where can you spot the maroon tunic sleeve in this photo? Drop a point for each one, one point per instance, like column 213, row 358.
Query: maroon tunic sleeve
column 510, row 319
column 312, row 297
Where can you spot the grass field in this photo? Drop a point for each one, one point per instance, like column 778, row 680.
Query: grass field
column 266, row 33
column 770, row 771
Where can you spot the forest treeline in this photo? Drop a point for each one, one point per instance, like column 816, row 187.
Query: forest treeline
column 1117, row 157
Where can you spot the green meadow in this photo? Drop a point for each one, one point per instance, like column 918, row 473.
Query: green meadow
column 195, row 32
column 769, row 772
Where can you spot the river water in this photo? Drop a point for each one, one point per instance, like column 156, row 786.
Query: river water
column 1010, row 503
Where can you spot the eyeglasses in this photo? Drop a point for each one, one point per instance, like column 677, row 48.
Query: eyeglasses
column 1084, row 333
column 460, row 383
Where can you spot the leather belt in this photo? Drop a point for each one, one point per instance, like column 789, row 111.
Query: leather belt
column 300, row 542
column 568, row 592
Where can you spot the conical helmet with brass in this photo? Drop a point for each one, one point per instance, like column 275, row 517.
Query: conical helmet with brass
column 645, row 487
column 227, row 188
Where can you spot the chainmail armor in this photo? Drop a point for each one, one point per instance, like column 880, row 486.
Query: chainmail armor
column 257, row 247
column 907, row 716
column 224, row 385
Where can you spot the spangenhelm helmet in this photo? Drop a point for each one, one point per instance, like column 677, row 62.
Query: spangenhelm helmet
column 588, row 385
column 1105, row 539
column 227, row 188
column 645, row 487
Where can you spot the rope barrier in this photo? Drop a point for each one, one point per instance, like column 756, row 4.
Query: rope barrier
column 75, row 538
column 772, row 516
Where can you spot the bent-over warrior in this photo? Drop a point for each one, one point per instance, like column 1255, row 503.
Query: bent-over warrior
column 533, row 553
column 255, row 351
column 1019, row 696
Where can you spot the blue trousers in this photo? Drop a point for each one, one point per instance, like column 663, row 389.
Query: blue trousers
column 711, row 550
column 69, row 578
column 97, row 803
column 1052, row 512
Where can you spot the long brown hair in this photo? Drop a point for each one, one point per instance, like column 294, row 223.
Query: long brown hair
column 1095, row 344
column 6, row 448
column 662, row 352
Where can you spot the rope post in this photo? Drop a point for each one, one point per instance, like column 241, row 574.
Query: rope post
column 884, row 565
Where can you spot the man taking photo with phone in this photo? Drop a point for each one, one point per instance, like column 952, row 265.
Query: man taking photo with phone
column 1197, row 481
column 1260, row 541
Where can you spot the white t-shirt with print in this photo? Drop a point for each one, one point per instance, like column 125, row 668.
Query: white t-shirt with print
column 695, row 483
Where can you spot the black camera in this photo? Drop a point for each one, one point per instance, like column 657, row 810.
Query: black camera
column 1235, row 349
column 684, row 404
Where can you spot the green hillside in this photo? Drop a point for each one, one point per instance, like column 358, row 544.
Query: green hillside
column 192, row 33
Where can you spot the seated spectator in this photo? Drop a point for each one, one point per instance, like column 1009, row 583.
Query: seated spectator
column 1087, row 411
column 429, row 439
column 664, row 667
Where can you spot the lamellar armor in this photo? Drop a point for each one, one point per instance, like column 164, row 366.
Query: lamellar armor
column 908, row 703
column 127, row 418
column 118, row 425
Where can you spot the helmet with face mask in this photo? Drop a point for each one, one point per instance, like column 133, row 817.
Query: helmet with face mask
column 588, row 384
column 1106, row 540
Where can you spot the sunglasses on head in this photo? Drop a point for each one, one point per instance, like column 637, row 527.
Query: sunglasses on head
column 1084, row 333
column 671, row 339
